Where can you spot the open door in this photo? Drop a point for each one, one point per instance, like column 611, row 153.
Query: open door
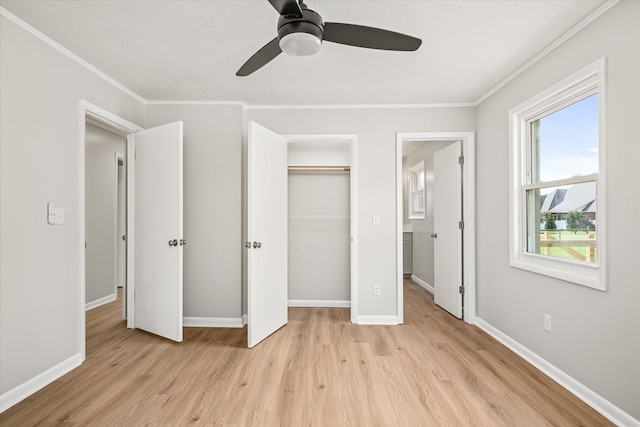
column 447, row 208
column 155, row 240
column 267, row 233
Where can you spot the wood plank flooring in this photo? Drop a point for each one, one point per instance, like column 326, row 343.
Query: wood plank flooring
column 319, row 370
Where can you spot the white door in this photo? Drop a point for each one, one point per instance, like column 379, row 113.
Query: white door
column 267, row 233
column 447, row 212
column 155, row 191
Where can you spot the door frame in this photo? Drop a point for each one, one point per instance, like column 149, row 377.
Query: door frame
column 116, row 215
column 111, row 121
column 353, row 202
column 468, row 215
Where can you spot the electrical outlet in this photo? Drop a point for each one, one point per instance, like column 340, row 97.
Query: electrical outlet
column 547, row 323
column 376, row 290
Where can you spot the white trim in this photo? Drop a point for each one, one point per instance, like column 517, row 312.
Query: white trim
column 422, row 283
column 357, row 106
column 353, row 197
column 589, row 79
column 244, row 319
column 222, row 103
column 378, row 320
column 27, row 388
column 33, row 31
column 100, row 301
column 85, row 110
column 588, row 396
column 213, row 322
column 547, row 50
column 468, row 216
column 319, row 303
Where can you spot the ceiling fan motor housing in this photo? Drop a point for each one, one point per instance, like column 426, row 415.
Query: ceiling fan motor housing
column 301, row 36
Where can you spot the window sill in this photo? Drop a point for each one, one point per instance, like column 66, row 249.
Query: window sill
column 590, row 276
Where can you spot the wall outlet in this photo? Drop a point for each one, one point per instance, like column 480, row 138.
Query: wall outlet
column 547, row 323
column 376, row 290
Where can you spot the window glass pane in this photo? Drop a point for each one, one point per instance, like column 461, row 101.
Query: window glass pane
column 561, row 222
column 565, row 143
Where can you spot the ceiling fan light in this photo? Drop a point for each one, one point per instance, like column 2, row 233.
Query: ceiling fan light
column 300, row 44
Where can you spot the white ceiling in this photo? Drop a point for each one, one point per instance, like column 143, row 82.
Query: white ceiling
column 191, row 50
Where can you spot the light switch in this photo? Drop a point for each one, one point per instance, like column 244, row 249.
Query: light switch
column 51, row 213
column 376, row 219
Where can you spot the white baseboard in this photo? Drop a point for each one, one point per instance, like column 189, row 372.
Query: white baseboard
column 26, row 389
column 319, row 303
column 213, row 322
column 422, row 283
column 377, row 320
column 591, row 398
column 100, row 301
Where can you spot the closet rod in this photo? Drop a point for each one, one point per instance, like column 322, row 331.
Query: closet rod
column 319, row 168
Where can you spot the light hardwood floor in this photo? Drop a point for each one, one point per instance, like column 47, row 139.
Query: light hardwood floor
column 318, row 370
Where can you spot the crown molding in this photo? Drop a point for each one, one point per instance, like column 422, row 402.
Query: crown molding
column 57, row 46
column 582, row 24
column 547, row 50
column 222, row 103
column 356, row 106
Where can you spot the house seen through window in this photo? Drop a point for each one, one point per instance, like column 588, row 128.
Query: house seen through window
column 562, row 217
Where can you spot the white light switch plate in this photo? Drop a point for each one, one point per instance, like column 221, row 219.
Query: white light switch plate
column 51, row 213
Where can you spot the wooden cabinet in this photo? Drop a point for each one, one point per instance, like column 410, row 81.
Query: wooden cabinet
column 407, row 254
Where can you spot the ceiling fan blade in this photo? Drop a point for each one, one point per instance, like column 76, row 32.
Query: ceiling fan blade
column 260, row 58
column 287, row 7
column 369, row 37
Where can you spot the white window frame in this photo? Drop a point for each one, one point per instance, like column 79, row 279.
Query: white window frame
column 585, row 82
column 416, row 212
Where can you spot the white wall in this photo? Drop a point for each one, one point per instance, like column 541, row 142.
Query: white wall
column 212, row 206
column 423, row 262
column 40, row 162
column 376, row 129
column 101, row 211
column 596, row 335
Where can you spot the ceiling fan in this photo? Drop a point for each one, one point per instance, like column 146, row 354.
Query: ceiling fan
column 301, row 31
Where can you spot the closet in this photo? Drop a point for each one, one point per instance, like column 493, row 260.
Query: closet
column 319, row 223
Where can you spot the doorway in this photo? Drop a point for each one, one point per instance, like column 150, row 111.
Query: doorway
column 439, row 140
column 267, row 223
column 319, row 223
column 106, row 122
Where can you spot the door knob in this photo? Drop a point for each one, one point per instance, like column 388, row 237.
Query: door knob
column 434, row 235
column 173, row 242
column 183, row 242
column 247, row 245
column 124, row 238
column 257, row 245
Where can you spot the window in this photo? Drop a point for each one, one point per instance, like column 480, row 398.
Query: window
column 557, row 225
column 416, row 191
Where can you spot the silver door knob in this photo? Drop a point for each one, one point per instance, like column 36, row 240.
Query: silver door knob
column 183, row 242
column 247, row 245
column 173, row 242
column 434, row 235
column 123, row 237
column 257, row 245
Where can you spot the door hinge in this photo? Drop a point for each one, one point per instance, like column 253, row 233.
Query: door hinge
column 461, row 160
column 461, row 225
column 461, row 290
